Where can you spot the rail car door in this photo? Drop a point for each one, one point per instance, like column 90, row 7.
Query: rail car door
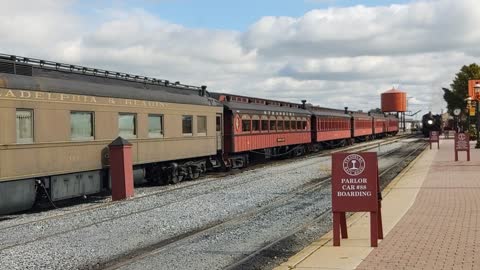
column 219, row 130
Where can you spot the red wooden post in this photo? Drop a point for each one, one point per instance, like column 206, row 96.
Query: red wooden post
column 121, row 169
column 380, row 224
column 343, row 225
column 336, row 229
column 374, row 229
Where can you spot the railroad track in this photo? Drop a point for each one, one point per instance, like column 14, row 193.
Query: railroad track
column 313, row 186
column 245, row 262
column 27, row 238
column 194, row 184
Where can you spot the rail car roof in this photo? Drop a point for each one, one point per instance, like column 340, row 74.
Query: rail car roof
column 321, row 111
column 360, row 114
column 253, row 107
column 33, row 75
column 377, row 115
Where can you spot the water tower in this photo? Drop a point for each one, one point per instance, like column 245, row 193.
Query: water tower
column 395, row 101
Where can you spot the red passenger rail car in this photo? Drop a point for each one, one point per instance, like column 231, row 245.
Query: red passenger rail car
column 261, row 127
column 330, row 127
column 379, row 125
column 392, row 124
column 362, row 124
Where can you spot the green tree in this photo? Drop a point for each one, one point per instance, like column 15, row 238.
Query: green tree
column 455, row 97
column 376, row 110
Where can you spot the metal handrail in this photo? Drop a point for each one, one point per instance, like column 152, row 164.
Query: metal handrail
column 76, row 69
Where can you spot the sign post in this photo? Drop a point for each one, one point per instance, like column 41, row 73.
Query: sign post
column 434, row 137
column 462, row 143
column 355, row 188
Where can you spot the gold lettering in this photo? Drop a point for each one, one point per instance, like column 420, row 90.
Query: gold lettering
column 25, row 94
column 49, row 96
column 111, row 100
column 76, row 98
column 135, row 102
column 93, row 100
column 144, row 103
column 10, row 94
column 128, row 102
column 38, row 95
column 64, row 96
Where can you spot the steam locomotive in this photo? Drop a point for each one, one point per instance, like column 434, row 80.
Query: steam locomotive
column 431, row 122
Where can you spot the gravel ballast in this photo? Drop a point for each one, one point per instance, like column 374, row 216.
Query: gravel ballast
column 88, row 238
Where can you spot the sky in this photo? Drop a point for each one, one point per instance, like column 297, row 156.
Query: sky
column 333, row 53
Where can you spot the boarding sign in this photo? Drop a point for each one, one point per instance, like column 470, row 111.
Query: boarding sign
column 355, row 188
column 434, row 137
column 462, row 143
column 354, row 182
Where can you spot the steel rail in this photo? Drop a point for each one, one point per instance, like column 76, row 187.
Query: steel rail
column 240, row 263
column 308, row 187
column 326, row 178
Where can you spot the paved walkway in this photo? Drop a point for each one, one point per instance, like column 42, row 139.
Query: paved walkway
column 431, row 215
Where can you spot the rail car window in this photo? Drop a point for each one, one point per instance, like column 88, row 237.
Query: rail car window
column 81, row 126
column 24, row 119
column 264, row 125
column 219, row 123
column 155, row 125
column 273, row 125
column 287, row 125
column 256, row 125
column 246, row 125
column 299, row 125
column 187, row 124
column 304, row 125
column 293, row 125
column 202, row 125
column 127, row 125
column 280, row 125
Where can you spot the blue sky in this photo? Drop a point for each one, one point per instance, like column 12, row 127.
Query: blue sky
column 231, row 15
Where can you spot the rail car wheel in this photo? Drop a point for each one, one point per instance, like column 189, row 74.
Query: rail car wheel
column 300, row 150
column 174, row 174
column 316, row 147
column 195, row 172
column 174, row 180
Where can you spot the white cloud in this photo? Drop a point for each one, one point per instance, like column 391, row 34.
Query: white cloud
column 333, row 57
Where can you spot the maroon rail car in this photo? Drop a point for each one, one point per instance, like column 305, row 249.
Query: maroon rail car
column 379, row 125
column 362, row 125
column 263, row 127
column 392, row 124
column 330, row 125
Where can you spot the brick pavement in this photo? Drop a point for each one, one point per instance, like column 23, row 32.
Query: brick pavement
column 442, row 228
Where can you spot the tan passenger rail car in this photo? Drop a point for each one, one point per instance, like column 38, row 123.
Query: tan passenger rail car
column 57, row 121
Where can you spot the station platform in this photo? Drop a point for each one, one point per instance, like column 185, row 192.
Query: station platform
column 431, row 220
